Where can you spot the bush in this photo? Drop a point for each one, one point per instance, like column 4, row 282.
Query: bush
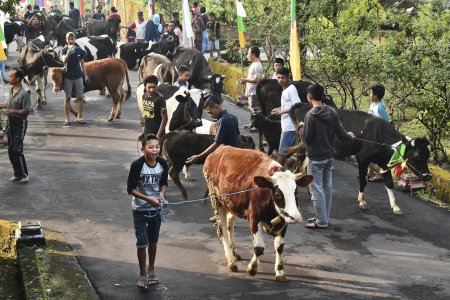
column 232, row 48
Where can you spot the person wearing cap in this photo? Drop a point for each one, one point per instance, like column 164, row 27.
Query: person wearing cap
column 34, row 26
column 99, row 15
column 73, row 57
column 114, row 13
column 279, row 63
column 75, row 14
column 140, row 24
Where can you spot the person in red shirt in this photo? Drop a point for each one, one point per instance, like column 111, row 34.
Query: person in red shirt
column 114, row 13
column 140, row 24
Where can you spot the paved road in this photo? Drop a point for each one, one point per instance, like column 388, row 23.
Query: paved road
column 78, row 187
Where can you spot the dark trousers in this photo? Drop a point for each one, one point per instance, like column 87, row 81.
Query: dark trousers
column 198, row 45
column 16, row 133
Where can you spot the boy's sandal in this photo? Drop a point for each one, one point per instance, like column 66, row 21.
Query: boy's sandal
column 152, row 278
column 316, row 226
column 66, row 123
column 310, row 220
column 375, row 178
column 144, row 282
column 81, row 121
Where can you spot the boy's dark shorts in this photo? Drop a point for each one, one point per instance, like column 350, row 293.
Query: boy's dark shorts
column 146, row 229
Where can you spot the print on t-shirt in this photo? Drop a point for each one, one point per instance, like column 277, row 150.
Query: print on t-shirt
column 150, row 180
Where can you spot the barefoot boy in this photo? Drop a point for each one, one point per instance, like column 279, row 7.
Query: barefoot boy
column 147, row 179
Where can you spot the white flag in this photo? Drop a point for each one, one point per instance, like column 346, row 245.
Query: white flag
column 150, row 10
column 240, row 9
column 187, row 25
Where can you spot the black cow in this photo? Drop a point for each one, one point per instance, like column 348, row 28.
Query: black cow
column 270, row 129
column 35, row 59
column 200, row 75
column 16, row 30
column 65, row 26
column 100, row 27
column 133, row 53
column 367, row 154
column 177, row 147
column 96, row 47
column 268, row 94
column 50, row 28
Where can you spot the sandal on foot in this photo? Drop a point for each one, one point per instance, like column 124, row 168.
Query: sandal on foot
column 152, row 278
column 81, row 121
column 375, row 178
column 66, row 123
column 143, row 281
column 310, row 220
column 316, row 226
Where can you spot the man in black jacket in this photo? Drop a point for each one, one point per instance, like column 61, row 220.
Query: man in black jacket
column 318, row 131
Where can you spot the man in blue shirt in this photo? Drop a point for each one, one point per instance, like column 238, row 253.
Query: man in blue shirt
column 75, row 14
column 227, row 130
column 73, row 57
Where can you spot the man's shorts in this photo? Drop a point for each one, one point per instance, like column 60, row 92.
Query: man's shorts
column 213, row 45
column 253, row 102
column 146, row 228
column 69, row 84
column 288, row 139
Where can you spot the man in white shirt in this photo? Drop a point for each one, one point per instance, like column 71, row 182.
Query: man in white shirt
column 140, row 24
column 255, row 73
column 288, row 98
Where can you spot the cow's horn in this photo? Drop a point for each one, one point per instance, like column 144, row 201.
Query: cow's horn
column 413, row 143
column 298, row 175
column 210, row 76
column 224, row 76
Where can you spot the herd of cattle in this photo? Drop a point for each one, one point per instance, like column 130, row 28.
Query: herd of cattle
column 108, row 63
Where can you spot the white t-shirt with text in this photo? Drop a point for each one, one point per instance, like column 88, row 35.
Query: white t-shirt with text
column 288, row 98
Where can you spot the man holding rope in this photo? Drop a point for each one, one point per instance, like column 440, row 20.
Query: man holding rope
column 17, row 109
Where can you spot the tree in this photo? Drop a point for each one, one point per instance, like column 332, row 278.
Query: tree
column 7, row 6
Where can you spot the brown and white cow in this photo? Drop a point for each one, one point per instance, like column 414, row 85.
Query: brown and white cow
column 105, row 73
column 270, row 208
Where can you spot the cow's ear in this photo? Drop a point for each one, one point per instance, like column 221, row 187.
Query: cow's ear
column 303, row 180
column 181, row 98
column 204, row 80
column 263, row 182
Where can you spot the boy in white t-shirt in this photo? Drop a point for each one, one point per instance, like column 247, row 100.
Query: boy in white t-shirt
column 288, row 98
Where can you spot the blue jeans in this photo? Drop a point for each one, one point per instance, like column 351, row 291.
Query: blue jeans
column 2, row 69
column 288, row 139
column 205, row 41
column 321, row 187
column 146, row 229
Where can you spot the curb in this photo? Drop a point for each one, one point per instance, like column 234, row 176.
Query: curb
column 31, row 276
column 440, row 182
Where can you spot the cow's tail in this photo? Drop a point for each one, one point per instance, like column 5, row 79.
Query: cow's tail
column 128, row 79
column 139, row 74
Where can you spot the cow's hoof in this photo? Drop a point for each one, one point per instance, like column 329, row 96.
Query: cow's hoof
column 169, row 178
column 38, row 106
column 44, row 102
column 233, row 267
column 237, row 256
column 108, row 96
column 117, row 117
column 31, row 108
column 398, row 212
column 251, row 271
column 189, row 177
column 364, row 206
column 281, row 277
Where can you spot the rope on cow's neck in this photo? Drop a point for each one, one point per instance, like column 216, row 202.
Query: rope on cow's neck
column 164, row 210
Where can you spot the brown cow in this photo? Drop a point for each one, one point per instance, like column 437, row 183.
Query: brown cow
column 104, row 73
column 270, row 208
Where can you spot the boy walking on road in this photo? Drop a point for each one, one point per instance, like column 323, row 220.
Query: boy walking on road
column 213, row 28
column 147, row 179
column 320, row 126
column 288, row 98
column 17, row 109
column 155, row 111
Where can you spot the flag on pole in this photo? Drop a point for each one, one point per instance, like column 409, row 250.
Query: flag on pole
column 82, row 7
column 123, row 5
column 187, row 24
column 151, row 9
column 2, row 37
column 295, row 51
column 241, row 27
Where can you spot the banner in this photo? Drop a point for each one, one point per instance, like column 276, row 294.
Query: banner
column 294, row 55
column 187, row 24
column 241, row 27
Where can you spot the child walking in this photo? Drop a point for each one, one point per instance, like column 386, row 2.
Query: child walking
column 147, row 180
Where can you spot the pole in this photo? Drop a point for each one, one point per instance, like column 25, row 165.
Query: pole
column 378, row 25
column 67, row 7
column 242, row 69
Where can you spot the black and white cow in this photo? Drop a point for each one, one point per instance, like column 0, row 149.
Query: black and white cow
column 100, row 27
column 65, row 26
column 50, row 28
column 133, row 53
column 369, row 155
column 35, row 59
column 16, row 30
column 96, row 47
column 160, row 66
column 200, row 75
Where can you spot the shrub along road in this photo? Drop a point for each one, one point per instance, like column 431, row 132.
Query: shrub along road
column 77, row 186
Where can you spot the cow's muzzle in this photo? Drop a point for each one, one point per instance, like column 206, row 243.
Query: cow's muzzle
column 425, row 177
column 197, row 123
